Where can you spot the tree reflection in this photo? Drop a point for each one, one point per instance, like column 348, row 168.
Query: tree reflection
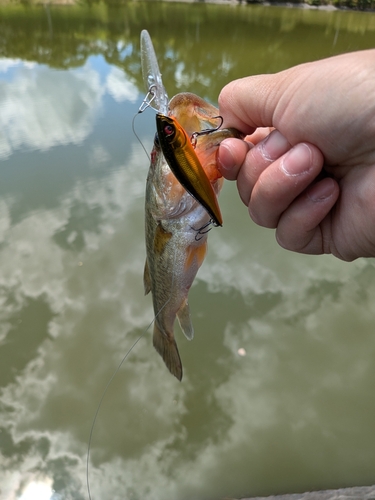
column 188, row 38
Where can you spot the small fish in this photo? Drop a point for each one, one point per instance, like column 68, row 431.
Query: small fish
column 177, row 226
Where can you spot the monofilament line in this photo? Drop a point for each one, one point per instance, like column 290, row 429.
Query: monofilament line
column 110, row 381
column 100, row 404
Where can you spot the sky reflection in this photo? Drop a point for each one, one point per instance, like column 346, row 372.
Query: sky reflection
column 42, row 108
column 38, row 490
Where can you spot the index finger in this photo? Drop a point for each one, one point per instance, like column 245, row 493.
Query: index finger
column 250, row 102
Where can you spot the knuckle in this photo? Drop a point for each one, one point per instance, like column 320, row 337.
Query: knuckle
column 262, row 218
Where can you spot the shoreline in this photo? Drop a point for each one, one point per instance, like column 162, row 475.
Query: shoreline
column 267, row 3
column 351, row 493
column 324, row 5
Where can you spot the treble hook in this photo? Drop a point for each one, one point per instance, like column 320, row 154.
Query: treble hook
column 206, row 131
column 150, row 96
column 201, row 232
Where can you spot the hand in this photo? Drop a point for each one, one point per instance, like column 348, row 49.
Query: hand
column 313, row 178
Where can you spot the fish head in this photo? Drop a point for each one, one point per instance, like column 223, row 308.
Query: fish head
column 206, row 148
column 193, row 113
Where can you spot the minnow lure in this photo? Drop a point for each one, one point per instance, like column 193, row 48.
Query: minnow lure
column 184, row 163
column 157, row 96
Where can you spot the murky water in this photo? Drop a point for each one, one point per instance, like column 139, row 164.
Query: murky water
column 297, row 411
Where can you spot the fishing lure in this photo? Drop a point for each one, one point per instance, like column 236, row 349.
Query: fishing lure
column 184, row 163
column 157, row 96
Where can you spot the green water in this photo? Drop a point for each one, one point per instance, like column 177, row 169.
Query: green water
column 297, row 411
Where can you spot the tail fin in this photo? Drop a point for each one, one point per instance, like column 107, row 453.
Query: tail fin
column 167, row 348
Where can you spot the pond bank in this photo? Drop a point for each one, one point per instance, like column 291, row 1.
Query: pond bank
column 360, row 5
column 351, row 5
column 355, row 493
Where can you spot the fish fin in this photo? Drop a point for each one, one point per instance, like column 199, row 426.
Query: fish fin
column 161, row 239
column 167, row 348
column 184, row 319
column 195, row 253
column 146, row 279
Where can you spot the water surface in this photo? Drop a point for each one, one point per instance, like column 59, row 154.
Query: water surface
column 297, row 411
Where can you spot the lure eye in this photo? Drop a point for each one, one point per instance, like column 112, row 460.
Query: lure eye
column 168, row 130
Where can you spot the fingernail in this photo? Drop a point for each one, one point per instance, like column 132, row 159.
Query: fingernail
column 225, row 157
column 322, row 190
column 274, row 146
column 297, row 161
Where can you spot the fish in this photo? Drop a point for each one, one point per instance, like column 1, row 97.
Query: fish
column 177, row 224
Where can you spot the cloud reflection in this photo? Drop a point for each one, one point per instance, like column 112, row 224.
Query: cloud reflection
column 120, row 88
column 38, row 266
column 38, row 490
column 6, row 64
column 41, row 108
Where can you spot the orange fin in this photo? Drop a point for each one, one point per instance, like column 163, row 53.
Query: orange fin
column 194, row 253
column 146, row 279
column 167, row 348
column 184, row 319
column 161, row 239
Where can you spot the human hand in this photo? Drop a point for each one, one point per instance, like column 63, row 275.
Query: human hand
column 313, row 178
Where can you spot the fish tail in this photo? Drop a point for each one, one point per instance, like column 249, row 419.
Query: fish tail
column 167, row 348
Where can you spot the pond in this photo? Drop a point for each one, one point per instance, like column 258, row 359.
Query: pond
column 278, row 387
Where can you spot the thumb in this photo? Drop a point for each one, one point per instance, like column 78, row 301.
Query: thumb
column 251, row 102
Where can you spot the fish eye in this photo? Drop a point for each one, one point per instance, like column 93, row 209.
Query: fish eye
column 156, row 140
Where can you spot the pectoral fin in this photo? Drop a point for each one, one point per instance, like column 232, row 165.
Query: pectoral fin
column 195, row 255
column 184, row 319
column 161, row 239
column 167, row 348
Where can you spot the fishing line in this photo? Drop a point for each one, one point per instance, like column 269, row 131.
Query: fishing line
column 137, row 136
column 111, row 380
column 100, row 404
column 146, row 103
